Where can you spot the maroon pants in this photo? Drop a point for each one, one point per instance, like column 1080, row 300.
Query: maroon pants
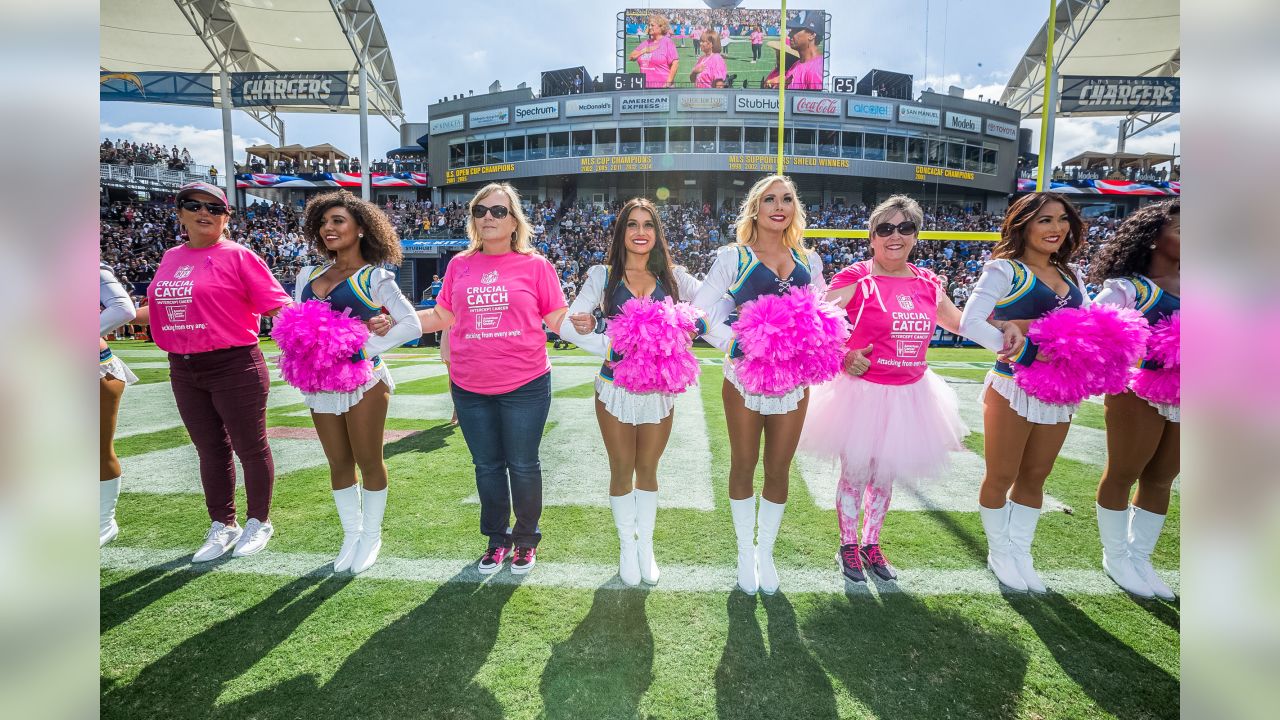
column 222, row 397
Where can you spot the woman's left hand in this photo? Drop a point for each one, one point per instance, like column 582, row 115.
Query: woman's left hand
column 1013, row 339
column 379, row 324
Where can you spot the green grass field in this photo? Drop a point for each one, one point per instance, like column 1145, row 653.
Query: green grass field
column 422, row 634
column 737, row 60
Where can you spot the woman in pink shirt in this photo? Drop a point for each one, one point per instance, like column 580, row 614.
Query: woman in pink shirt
column 657, row 57
column 889, row 419
column 757, row 42
column 710, row 67
column 204, row 306
column 496, row 295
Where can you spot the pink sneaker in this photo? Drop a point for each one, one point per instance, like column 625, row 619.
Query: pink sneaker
column 523, row 559
column 491, row 561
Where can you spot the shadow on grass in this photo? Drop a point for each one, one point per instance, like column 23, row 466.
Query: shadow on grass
column 781, row 681
column 433, row 438
column 901, row 658
column 421, row 665
column 605, row 667
column 128, row 596
column 192, row 675
column 1120, row 680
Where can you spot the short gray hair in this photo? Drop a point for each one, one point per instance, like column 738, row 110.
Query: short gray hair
column 904, row 204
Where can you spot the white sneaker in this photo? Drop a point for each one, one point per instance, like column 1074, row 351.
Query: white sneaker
column 255, row 537
column 217, row 542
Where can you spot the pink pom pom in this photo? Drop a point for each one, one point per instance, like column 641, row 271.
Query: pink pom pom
column 1165, row 345
column 1162, row 384
column 655, row 340
column 316, row 345
column 1090, row 351
column 788, row 341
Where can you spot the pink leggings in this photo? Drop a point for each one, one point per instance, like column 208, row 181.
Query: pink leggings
column 854, row 494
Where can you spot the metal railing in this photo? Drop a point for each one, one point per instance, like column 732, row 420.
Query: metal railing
column 156, row 173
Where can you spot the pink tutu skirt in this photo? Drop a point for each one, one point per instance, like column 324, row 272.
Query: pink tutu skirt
column 888, row 433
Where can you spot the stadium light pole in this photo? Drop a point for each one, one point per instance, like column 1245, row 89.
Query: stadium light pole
column 782, row 85
column 228, row 149
column 365, row 180
column 1050, row 101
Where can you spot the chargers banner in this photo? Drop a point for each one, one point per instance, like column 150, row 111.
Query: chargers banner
column 310, row 180
column 157, row 87
column 1110, row 94
column 290, row 88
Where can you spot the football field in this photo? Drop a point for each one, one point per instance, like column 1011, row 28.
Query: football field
column 422, row 634
column 737, row 59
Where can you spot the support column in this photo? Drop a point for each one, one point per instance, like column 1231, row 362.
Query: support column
column 228, row 149
column 365, row 180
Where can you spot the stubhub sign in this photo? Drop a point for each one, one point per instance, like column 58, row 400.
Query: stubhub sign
column 871, row 110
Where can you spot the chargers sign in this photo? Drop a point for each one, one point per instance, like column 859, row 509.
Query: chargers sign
column 1118, row 94
column 290, row 88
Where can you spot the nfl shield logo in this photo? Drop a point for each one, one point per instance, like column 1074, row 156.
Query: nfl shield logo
column 905, row 302
column 490, row 277
column 183, row 271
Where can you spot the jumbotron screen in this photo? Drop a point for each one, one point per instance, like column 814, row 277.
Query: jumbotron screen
column 726, row 47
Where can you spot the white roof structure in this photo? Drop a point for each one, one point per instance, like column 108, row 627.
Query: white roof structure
column 210, row 36
column 1099, row 37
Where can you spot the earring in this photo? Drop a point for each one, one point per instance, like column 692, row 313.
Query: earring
column 1153, row 246
column 361, row 234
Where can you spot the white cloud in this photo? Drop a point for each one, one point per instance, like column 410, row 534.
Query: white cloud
column 205, row 144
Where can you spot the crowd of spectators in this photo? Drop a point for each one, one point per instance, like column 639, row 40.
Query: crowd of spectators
column 287, row 166
column 738, row 20
column 124, row 152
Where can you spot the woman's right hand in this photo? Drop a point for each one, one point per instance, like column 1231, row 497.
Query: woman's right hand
column 583, row 323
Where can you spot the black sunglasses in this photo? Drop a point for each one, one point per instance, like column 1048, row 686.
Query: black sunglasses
column 214, row 208
column 497, row 211
column 904, row 228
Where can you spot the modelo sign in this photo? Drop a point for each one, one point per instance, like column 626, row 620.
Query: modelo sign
column 756, row 104
column 446, row 125
column 643, row 104
column 1111, row 94
column 487, row 118
column 919, row 115
column 815, row 106
column 1002, row 130
column 538, row 111
column 870, row 110
column 967, row 123
column 588, row 106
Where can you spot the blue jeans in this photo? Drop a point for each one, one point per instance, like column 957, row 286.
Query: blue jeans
column 503, row 433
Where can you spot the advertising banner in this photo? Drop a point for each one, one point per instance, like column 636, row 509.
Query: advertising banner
column 157, row 87
column 1118, row 94
column 290, row 88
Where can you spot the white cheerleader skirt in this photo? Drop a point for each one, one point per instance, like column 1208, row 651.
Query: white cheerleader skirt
column 888, row 433
column 634, row 408
column 1172, row 413
column 115, row 367
column 764, row 404
column 1035, row 411
column 337, row 403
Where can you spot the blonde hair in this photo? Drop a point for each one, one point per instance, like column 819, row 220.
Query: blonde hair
column 661, row 22
column 793, row 236
column 714, row 37
column 904, row 204
column 520, row 238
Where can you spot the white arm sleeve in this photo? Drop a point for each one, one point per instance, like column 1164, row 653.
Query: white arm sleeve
column 985, row 334
column 992, row 286
column 587, row 301
column 1080, row 284
column 300, row 282
column 1119, row 292
column 407, row 326
column 713, row 299
column 117, row 306
column 688, row 284
column 815, row 272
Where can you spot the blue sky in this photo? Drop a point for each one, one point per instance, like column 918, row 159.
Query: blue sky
column 445, row 48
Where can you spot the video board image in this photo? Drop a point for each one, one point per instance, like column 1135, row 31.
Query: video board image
column 724, row 47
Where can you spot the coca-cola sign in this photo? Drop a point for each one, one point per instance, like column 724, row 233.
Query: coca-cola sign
column 815, row 106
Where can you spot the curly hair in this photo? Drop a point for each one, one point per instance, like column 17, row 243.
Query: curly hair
column 1013, row 234
column 380, row 244
column 1129, row 251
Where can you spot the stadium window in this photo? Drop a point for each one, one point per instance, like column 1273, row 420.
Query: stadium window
column 955, row 155
column 915, row 150
column 475, row 152
column 896, row 148
column 989, row 161
column 538, row 146
column 730, row 139
column 457, row 154
column 655, row 140
column 806, row 141
column 494, row 152
column 972, row 158
column 607, row 142
column 755, row 143
column 937, row 153
column 559, row 146
column 515, row 148
column 704, row 139
column 851, row 145
column 680, row 139
column 829, row 143
column 628, row 140
column 773, row 142
column 581, row 143
column 873, row 145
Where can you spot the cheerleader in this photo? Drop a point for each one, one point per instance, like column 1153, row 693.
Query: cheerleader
column 889, row 419
column 357, row 239
column 1027, row 278
column 769, row 257
column 635, row 426
column 113, row 376
column 1139, row 268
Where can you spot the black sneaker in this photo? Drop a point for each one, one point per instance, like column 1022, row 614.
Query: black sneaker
column 851, row 562
column 491, row 561
column 522, row 560
column 874, row 557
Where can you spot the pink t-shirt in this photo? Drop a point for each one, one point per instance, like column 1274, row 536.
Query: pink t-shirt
column 900, row 333
column 656, row 63
column 210, row 298
column 806, row 75
column 757, row 38
column 497, row 343
column 713, row 69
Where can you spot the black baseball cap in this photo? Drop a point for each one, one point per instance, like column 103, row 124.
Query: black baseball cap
column 806, row 20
